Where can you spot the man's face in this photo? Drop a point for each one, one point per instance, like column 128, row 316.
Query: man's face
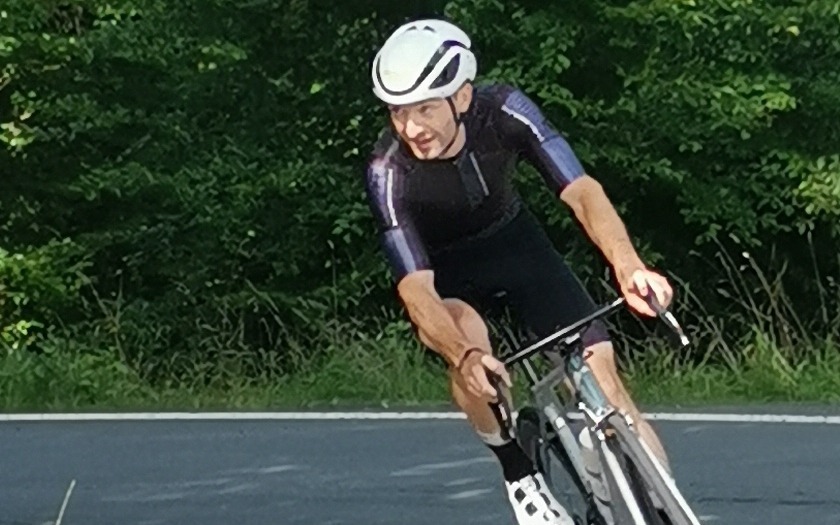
column 427, row 127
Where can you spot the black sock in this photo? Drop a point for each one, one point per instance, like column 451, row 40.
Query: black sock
column 515, row 463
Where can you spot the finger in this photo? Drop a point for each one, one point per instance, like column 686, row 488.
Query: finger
column 477, row 374
column 506, row 376
column 666, row 290
column 658, row 290
column 497, row 367
column 474, row 388
column 486, row 387
column 640, row 305
column 479, row 382
column 640, row 281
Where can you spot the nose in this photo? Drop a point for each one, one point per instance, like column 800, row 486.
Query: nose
column 412, row 130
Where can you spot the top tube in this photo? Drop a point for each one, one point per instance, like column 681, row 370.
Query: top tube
column 564, row 332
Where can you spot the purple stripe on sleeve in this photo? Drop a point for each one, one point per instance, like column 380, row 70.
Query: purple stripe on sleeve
column 555, row 158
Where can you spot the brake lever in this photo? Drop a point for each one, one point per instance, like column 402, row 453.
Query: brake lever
column 500, row 407
column 667, row 317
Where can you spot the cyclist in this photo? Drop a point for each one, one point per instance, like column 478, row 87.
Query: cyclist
column 456, row 232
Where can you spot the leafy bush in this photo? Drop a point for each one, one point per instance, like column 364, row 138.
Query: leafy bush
column 182, row 182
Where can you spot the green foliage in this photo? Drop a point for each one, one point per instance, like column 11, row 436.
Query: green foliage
column 182, row 182
column 701, row 105
column 35, row 287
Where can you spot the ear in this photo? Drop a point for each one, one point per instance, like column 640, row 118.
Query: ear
column 463, row 98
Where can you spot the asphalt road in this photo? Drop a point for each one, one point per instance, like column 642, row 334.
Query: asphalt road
column 372, row 472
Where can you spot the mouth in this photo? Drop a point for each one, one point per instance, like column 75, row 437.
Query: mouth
column 424, row 144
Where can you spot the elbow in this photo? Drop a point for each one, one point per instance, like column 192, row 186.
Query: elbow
column 415, row 289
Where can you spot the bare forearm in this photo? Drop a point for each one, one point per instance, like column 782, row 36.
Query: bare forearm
column 610, row 235
column 603, row 225
column 439, row 328
column 435, row 322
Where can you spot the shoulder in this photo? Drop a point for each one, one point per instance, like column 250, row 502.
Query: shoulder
column 514, row 102
column 384, row 155
column 509, row 108
column 518, row 116
column 501, row 97
column 386, row 166
column 385, row 148
column 488, row 99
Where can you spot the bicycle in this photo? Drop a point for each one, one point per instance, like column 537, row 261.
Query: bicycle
column 628, row 469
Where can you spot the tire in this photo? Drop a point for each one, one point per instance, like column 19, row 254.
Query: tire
column 646, row 476
column 639, row 488
column 538, row 441
column 529, row 433
column 617, row 476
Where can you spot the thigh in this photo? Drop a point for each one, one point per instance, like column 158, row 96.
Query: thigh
column 464, row 274
column 544, row 293
column 552, row 297
column 464, row 294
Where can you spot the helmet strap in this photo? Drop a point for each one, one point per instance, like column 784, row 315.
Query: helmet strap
column 458, row 119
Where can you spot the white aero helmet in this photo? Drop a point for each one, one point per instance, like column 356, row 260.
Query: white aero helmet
column 422, row 60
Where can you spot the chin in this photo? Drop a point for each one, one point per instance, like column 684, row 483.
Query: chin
column 428, row 154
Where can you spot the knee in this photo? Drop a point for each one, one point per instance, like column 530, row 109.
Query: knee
column 476, row 409
column 460, row 393
column 600, row 358
column 596, row 333
column 469, row 321
column 463, row 396
column 465, row 316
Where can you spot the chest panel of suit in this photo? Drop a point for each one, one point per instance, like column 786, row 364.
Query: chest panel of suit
column 461, row 197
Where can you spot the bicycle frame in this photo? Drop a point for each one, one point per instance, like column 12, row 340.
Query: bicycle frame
column 592, row 402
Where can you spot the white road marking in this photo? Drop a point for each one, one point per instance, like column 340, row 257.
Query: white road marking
column 393, row 416
column 430, row 468
column 462, row 481
column 277, row 469
column 746, row 418
column 64, row 504
column 469, row 494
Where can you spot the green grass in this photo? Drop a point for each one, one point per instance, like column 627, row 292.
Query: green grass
column 391, row 372
column 762, row 373
column 759, row 351
column 361, row 371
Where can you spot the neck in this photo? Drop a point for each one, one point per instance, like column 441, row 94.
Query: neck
column 457, row 144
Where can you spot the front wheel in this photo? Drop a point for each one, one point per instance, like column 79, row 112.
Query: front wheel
column 649, row 476
column 530, row 435
column 541, row 445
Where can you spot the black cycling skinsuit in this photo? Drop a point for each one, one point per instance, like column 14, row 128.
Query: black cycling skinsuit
column 463, row 218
